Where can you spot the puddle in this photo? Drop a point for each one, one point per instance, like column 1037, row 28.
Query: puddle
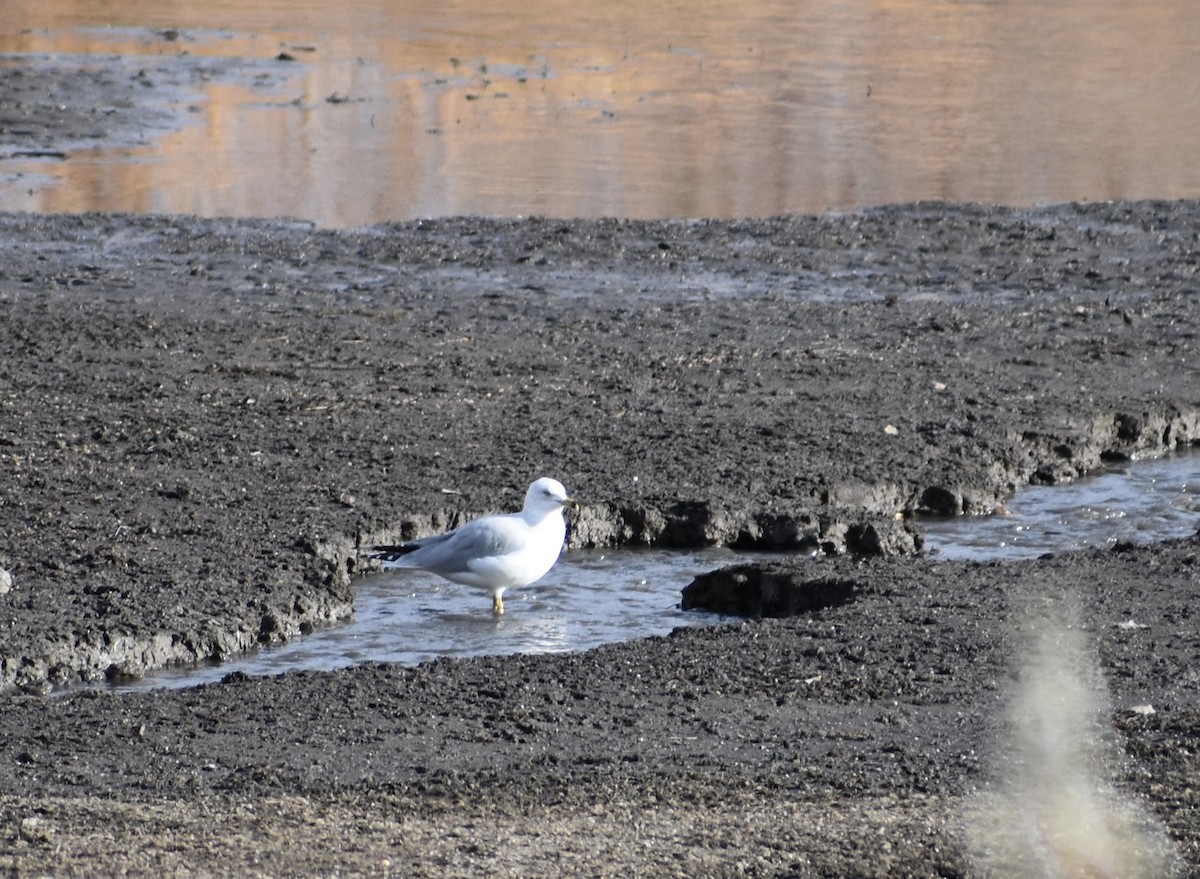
column 1141, row 502
column 589, row 598
column 592, row 597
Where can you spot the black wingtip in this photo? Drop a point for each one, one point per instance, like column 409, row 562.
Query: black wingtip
column 390, row 553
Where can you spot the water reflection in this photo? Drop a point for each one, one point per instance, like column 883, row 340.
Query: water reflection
column 394, row 111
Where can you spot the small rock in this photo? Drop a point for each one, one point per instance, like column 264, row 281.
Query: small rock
column 1131, row 624
column 36, row 829
column 6, row 582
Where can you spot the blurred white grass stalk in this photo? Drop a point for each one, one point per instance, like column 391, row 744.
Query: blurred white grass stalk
column 1052, row 814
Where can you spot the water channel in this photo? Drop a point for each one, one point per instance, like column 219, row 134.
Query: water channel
column 596, row 597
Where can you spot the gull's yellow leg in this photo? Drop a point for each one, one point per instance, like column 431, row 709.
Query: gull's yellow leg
column 497, row 604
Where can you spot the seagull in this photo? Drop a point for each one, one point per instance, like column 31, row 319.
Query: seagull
column 495, row 552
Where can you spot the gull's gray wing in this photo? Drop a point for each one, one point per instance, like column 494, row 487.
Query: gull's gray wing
column 394, row 552
column 452, row 552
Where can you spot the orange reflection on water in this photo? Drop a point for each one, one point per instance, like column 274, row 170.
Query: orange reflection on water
column 637, row 109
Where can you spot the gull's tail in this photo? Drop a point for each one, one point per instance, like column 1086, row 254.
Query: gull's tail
column 397, row 554
column 392, row 553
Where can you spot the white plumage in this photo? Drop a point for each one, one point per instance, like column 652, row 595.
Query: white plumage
column 493, row 552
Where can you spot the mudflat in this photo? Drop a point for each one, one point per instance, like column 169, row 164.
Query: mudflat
column 203, row 421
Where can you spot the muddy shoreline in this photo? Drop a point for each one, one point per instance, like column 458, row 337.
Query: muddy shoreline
column 211, row 414
column 201, row 418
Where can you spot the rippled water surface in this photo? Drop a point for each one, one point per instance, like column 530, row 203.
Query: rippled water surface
column 370, row 110
column 592, row 598
column 1141, row 502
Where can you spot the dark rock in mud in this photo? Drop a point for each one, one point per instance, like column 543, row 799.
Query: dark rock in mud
column 760, row 590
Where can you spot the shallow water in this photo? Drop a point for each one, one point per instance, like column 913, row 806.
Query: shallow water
column 701, row 109
column 1141, row 501
column 589, row 598
column 597, row 597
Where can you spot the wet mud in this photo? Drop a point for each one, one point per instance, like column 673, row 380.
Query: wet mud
column 54, row 105
column 201, row 422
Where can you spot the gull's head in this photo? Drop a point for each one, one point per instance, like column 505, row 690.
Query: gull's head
column 547, row 495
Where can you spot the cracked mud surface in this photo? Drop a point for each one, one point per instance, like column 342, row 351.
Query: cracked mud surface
column 198, row 419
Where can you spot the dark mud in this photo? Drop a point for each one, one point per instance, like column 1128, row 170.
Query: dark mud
column 201, row 420
column 851, row 741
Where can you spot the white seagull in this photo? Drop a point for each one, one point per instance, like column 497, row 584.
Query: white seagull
column 494, row 552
